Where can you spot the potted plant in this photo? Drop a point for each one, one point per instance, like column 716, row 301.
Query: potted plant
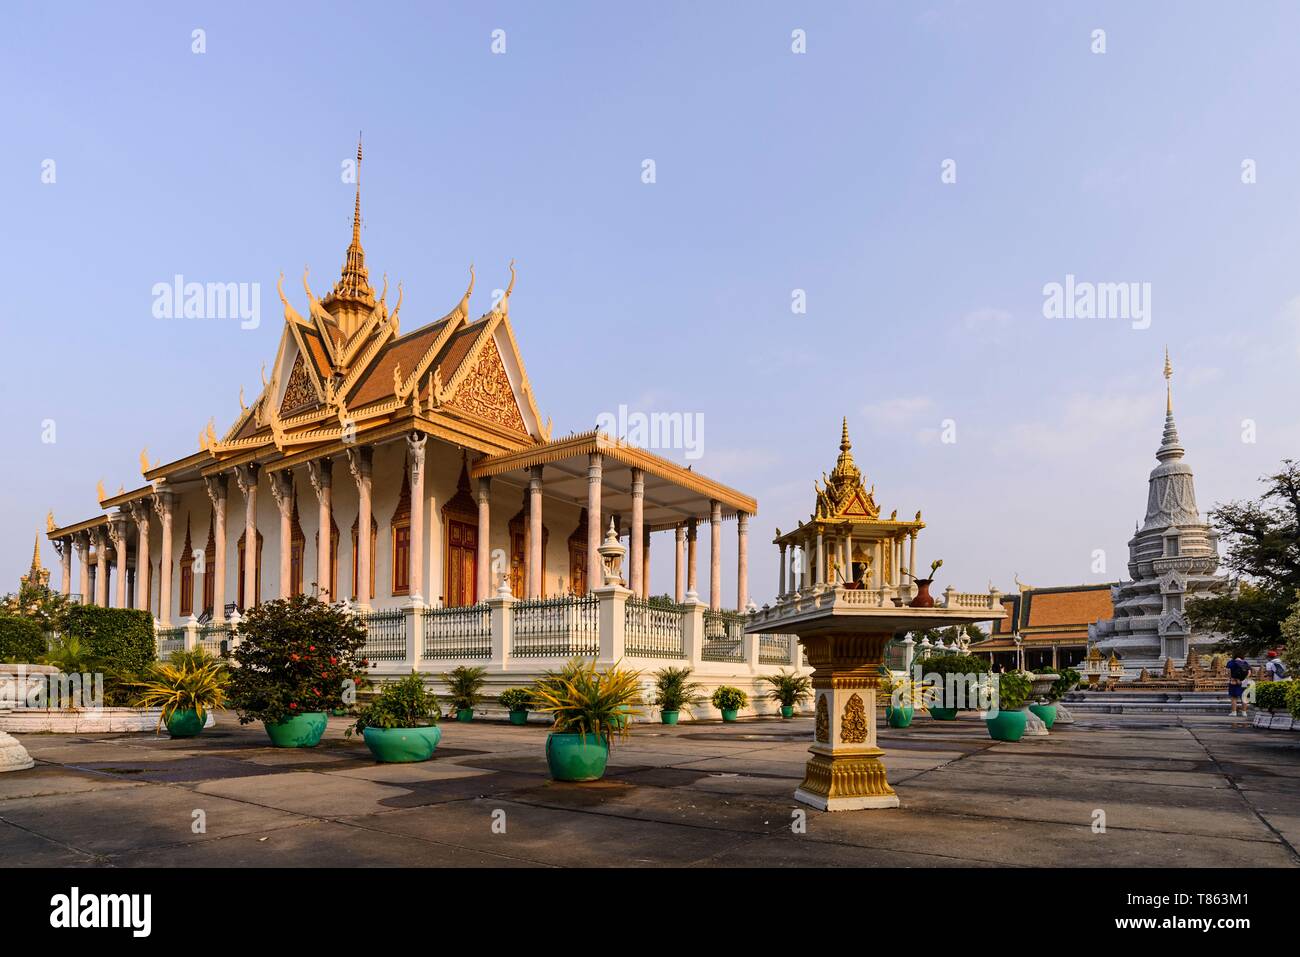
column 946, row 697
column 1008, row 723
column 589, row 706
column 788, row 689
column 400, row 724
column 923, row 597
column 517, row 702
column 905, row 698
column 465, row 689
column 729, row 701
column 675, row 692
column 186, row 687
column 297, row 658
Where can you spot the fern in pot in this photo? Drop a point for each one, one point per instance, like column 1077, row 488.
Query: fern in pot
column 465, row 689
column 675, row 693
column 789, row 690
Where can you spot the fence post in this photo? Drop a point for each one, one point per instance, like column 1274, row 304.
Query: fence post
column 501, row 620
column 693, row 630
column 749, row 642
column 613, row 602
column 414, row 618
column 191, row 633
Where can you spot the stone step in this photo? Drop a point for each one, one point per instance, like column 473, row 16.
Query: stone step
column 1148, row 707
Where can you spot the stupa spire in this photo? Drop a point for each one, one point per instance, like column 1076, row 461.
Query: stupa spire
column 354, row 282
column 845, row 444
column 1170, row 446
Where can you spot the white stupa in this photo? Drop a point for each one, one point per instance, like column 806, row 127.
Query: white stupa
column 1173, row 559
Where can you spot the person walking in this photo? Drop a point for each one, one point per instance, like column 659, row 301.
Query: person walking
column 1274, row 667
column 1238, row 672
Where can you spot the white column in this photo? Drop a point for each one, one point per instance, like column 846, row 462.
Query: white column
column 715, row 555
column 321, row 474
column 282, row 492
column 117, row 531
column 215, row 565
column 535, row 532
column 679, row 563
column 636, row 536
column 911, row 560
column 101, row 568
column 780, row 574
column 742, row 561
column 246, row 479
column 65, row 563
column 820, row 558
column 83, row 556
column 594, row 466
column 162, row 503
column 415, row 443
column 361, row 464
column 692, row 558
column 484, row 584
column 140, row 512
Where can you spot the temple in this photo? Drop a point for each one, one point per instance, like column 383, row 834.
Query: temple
column 1045, row 626
column 393, row 469
column 845, row 541
column 1173, row 559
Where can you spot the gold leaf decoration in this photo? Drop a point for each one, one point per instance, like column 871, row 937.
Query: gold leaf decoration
column 853, row 723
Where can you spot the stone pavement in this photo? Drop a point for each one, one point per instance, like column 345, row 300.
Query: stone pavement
column 1175, row 791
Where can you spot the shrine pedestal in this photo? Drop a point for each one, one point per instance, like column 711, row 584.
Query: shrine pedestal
column 844, row 634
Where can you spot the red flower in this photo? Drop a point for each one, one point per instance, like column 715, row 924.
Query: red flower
column 333, row 660
column 293, row 705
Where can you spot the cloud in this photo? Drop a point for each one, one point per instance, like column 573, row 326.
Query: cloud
column 891, row 415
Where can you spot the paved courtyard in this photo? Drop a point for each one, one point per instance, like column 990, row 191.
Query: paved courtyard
column 1174, row 791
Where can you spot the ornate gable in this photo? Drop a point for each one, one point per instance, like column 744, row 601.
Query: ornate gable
column 845, row 496
column 299, row 392
column 486, row 391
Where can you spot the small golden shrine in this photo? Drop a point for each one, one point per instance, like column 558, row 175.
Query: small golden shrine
column 845, row 541
column 37, row 576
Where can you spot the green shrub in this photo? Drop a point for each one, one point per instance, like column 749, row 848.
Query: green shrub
column 21, row 640
column 121, row 638
column 1014, row 688
column 955, row 665
column 406, row 703
column 1271, row 695
column 727, row 698
column 516, row 699
column 789, row 689
column 587, row 700
column 1293, row 698
column 295, row 656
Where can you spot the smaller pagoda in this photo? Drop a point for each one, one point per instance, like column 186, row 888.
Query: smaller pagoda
column 845, row 541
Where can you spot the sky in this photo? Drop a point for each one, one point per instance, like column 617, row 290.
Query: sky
column 916, row 177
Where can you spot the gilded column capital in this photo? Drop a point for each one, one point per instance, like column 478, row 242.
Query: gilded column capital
column 360, row 463
column 321, row 474
column 282, row 491
column 163, row 500
column 140, row 514
column 246, row 478
column 215, row 485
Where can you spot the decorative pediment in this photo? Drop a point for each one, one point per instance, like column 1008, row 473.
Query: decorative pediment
column 298, row 393
column 486, row 391
column 1173, row 623
column 845, row 495
column 1172, row 584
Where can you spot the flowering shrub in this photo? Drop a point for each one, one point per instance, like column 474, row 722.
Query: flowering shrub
column 295, row 656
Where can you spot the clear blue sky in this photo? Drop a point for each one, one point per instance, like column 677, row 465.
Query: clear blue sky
column 775, row 172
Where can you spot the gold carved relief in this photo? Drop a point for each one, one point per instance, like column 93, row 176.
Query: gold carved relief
column 823, row 732
column 853, row 729
column 486, row 391
column 299, row 391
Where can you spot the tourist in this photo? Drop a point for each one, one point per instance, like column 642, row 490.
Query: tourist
column 1238, row 672
column 1274, row 668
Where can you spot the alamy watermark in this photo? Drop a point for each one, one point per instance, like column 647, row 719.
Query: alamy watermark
column 1080, row 299
column 179, row 299
column 681, row 431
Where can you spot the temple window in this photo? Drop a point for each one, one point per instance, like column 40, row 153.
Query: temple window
column 401, row 537
column 187, row 574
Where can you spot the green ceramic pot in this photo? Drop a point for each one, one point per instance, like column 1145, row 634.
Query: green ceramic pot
column 300, row 731
column 943, row 714
column 898, row 717
column 464, row 714
column 1006, row 726
column 400, row 745
column 729, row 714
column 518, row 717
column 787, row 711
column 185, row 724
column 668, row 717
column 1045, row 711
column 576, row 757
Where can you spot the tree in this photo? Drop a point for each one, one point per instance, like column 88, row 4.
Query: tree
column 1263, row 551
column 38, row 603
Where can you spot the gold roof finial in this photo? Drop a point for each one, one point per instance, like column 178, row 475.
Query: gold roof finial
column 354, row 283
column 49, row 521
column 1169, row 384
column 356, row 213
column 36, row 555
column 845, row 444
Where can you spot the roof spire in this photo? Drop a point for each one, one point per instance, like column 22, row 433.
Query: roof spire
column 356, row 213
column 352, row 297
column 845, row 444
column 36, row 555
column 1169, row 384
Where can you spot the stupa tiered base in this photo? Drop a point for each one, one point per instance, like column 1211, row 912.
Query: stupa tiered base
column 844, row 633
